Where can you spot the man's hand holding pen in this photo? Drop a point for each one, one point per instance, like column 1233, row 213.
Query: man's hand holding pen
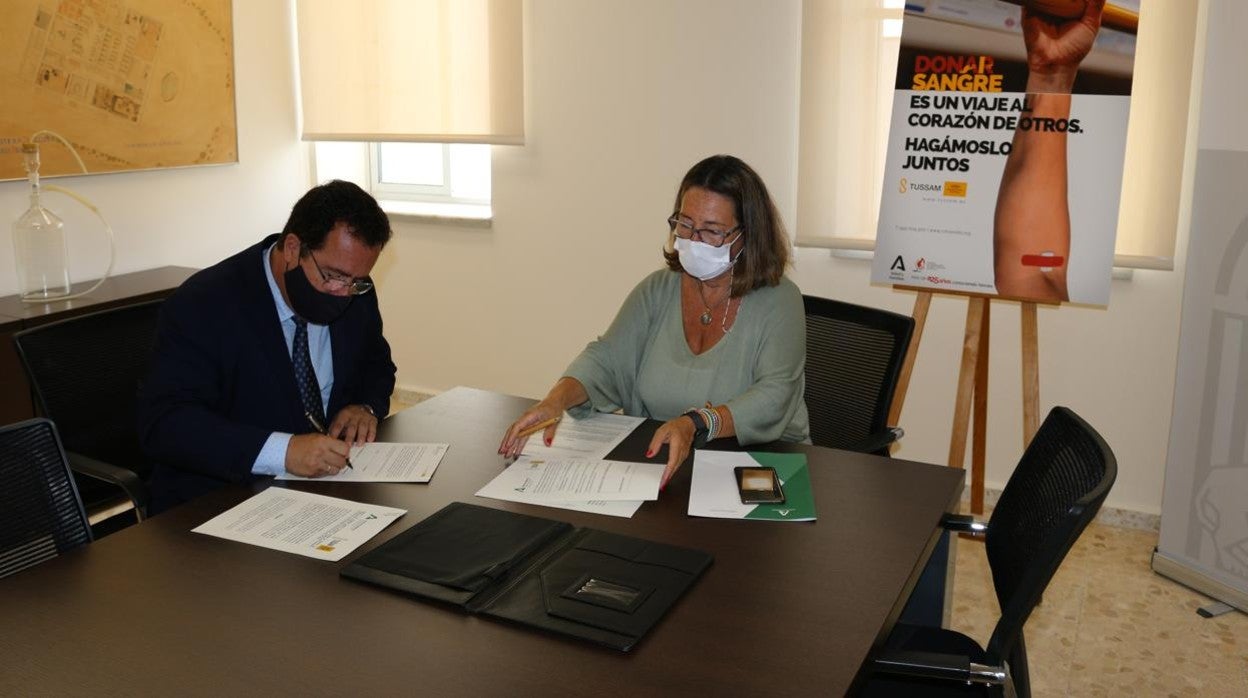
column 316, row 455
column 323, row 453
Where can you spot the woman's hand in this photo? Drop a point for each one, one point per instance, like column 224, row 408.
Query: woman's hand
column 513, row 443
column 678, row 435
column 567, row 393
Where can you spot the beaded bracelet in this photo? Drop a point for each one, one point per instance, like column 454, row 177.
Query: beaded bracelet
column 713, row 422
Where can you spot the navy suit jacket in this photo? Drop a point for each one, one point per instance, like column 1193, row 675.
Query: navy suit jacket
column 222, row 380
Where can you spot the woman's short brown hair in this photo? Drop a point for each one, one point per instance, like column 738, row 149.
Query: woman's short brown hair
column 766, row 253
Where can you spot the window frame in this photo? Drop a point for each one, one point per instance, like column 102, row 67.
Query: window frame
column 391, row 191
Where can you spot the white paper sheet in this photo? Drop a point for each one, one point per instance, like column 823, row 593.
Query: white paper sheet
column 622, row 508
column 387, row 462
column 325, row 528
column 576, row 480
column 713, row 487
column 590, row 438
column 516, row 484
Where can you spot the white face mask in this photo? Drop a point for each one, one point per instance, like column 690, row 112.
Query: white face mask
column 702, row 261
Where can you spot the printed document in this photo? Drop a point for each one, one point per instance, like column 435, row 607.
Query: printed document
column 538, row 479
column 386, row 462
column 326, row 528
column 590, row 438
column 591, row 486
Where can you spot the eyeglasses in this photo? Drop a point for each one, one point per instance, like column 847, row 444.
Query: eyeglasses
column 336, row 282
column 683, row 227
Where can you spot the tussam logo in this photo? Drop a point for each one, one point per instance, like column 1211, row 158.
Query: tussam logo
column 921, row 263
column 906, row 185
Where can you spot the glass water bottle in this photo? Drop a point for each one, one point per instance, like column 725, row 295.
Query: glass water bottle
column 39, row 241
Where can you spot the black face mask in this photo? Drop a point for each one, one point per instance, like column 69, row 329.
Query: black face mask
column 315, row 306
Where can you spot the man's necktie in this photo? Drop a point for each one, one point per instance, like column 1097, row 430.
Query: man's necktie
column 305, row 377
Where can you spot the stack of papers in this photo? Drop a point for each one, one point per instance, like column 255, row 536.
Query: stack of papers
column 607, row 487
column 571, row 473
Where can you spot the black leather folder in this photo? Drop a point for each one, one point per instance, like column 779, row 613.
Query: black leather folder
column 589, row 584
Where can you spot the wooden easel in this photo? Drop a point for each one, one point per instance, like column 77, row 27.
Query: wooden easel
column 970, row 408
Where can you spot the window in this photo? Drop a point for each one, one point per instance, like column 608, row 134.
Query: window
column 438, row 180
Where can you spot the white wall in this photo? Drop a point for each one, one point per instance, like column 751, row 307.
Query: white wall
column 622, row 98
column 192, row 216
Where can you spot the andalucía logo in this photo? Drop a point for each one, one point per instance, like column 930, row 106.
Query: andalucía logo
column 898, row 263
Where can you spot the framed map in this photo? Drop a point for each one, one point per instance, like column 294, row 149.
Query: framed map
column 133, row 84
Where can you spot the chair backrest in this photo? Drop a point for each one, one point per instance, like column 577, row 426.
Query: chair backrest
column 853, row 359
column 86, row 371
column 1055, row 491
column 41, row 515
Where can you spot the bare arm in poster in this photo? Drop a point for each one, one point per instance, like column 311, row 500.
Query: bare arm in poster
column 1032, row 219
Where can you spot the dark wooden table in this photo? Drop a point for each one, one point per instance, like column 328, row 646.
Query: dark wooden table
column 787, row 608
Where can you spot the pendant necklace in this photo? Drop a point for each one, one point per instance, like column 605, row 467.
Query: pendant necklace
column 708, row 314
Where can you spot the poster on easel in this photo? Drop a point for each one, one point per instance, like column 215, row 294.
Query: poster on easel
column 1005, row 152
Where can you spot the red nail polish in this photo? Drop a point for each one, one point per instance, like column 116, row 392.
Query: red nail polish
column 649, row 454
column 548, row 442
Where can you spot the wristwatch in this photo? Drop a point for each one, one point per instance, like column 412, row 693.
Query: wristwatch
column 700, row 428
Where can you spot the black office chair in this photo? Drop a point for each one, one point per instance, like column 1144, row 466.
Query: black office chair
column 1056, row 490
column 853, row 359
column 85, row 372
column 41, row 515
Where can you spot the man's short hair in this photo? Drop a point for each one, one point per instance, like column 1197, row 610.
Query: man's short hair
column 325, row 206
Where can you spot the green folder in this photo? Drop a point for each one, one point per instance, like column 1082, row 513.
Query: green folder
column 799, row 501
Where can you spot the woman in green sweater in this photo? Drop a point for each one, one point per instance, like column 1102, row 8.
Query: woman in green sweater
column 715, row 344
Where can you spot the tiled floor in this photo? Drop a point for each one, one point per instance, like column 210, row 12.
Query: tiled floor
column 1110, row 626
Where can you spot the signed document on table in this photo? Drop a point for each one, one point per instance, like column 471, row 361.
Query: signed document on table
column 326, row 528
column 386, row 462
column 599, row 486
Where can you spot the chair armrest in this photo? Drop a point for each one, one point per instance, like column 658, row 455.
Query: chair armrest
column 876, row 441
column 127, row 480
column 933, row 665
column 963, row 523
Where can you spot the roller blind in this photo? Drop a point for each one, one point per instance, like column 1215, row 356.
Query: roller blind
column 849, row 61
column 446, row 71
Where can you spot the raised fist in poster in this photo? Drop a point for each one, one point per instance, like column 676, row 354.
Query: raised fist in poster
column 1031, row 225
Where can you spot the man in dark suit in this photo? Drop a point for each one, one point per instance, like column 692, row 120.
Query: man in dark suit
column 259, row 353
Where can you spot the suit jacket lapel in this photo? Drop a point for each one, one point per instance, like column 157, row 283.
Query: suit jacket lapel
column 261, row 315
column 338, row 336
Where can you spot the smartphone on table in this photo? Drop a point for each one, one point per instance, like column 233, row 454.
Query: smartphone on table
column 759, row 485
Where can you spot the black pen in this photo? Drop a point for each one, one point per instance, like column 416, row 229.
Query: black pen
column 316, row 424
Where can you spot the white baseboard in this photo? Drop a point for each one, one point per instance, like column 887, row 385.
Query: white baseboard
column 1110, row 516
